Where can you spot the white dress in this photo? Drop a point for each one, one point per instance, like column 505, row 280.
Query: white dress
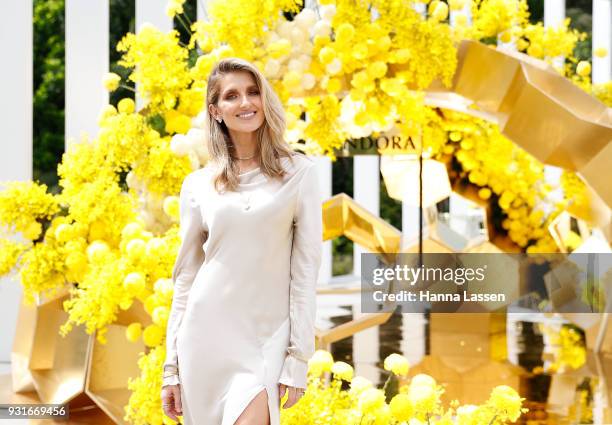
column 243, row 309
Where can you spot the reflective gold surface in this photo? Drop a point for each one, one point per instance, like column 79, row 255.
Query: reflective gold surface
column 112, row 364
column 325, row 338
column 539, row 110
column 78, row 370
column 59, row 364
column 22, row 349
column 342, row 216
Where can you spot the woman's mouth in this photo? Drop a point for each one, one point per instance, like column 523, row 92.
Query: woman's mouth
column 247, row 115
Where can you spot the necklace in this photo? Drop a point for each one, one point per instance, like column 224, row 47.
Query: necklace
column 243, row 159
column 246, row 199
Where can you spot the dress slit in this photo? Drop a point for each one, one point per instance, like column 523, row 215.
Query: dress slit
column 233, row 416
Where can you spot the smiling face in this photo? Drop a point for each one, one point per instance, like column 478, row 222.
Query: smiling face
column 239, row 104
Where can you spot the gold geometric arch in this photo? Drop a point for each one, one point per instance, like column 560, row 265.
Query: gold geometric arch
column 541, row 111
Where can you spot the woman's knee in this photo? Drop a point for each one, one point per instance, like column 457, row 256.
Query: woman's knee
column 257, row 412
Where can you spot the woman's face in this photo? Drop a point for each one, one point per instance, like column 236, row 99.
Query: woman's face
column 239, row 103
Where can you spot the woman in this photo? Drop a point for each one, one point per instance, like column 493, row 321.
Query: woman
column 241, row 326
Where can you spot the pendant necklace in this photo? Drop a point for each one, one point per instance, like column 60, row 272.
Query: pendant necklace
column 246, row 199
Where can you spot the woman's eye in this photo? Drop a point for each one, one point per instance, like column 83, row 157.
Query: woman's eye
column 255, row 93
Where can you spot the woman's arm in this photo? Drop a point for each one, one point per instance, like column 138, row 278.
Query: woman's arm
column 188, row 261
column 305, row 262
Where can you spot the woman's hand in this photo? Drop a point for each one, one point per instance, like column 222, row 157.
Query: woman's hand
column 171, row 401
column 294, row 395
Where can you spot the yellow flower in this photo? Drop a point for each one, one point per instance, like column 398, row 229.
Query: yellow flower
column 126, row 106
column 506, row 36
column 326, row 55
column 279, row 48
column 160, row 316
column 333, row 85
column 466, row 415
column 345, row 33
column 440, row 12
column 33, row 230
column 9, row 254
column 342, row 370
column 371, row 399
column 358, row 385
column 171, row 206
column 601, row 52
column 134, row 283
column 292, row 80
column 135, row 249
column 397, row 364
column 131, row 230
column 583, row 68
column 506, row 403
column 111, row 81
column 321, row 361
column 152, row 335
column 177, row 122
column 133, row 331
column 97, row 250
column 174, row 7
column 376, row 69
column 484, row 193
column 401, row 407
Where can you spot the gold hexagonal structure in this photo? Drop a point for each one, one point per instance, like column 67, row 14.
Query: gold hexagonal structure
column 111, row 365
column 59, row 364
column 76, row 370
column 342, row 216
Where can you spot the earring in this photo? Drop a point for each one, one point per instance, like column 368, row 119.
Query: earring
column 219, row 119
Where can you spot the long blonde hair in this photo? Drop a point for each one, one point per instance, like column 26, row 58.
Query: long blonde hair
column 272, row 145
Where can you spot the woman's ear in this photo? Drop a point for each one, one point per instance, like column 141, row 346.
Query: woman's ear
column 212, row 109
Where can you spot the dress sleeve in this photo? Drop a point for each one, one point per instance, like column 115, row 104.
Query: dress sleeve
column 188, row 261
column 305, row 262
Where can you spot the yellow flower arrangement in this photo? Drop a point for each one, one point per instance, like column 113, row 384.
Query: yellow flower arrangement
column 111, row 235
column 416, row 402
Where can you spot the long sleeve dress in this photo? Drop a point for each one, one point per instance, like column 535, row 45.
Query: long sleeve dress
column 243, row 309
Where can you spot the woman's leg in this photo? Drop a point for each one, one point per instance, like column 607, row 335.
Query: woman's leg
column 257, row 412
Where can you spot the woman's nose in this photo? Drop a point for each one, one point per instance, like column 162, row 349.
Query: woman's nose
column 245, row 101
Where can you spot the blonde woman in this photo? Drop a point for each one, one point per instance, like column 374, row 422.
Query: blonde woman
column 241, row 326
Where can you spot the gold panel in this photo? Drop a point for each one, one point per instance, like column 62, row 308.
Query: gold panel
column 22, row 349
column 595, row 171
column 468, row 379
column 59, row 364
column 112, row 364
column 77, row 369
column 564, row 129
column 368, row 320
column 343, row 216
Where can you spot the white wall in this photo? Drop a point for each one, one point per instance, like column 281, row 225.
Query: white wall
column 87, row 39
column 16, row 144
